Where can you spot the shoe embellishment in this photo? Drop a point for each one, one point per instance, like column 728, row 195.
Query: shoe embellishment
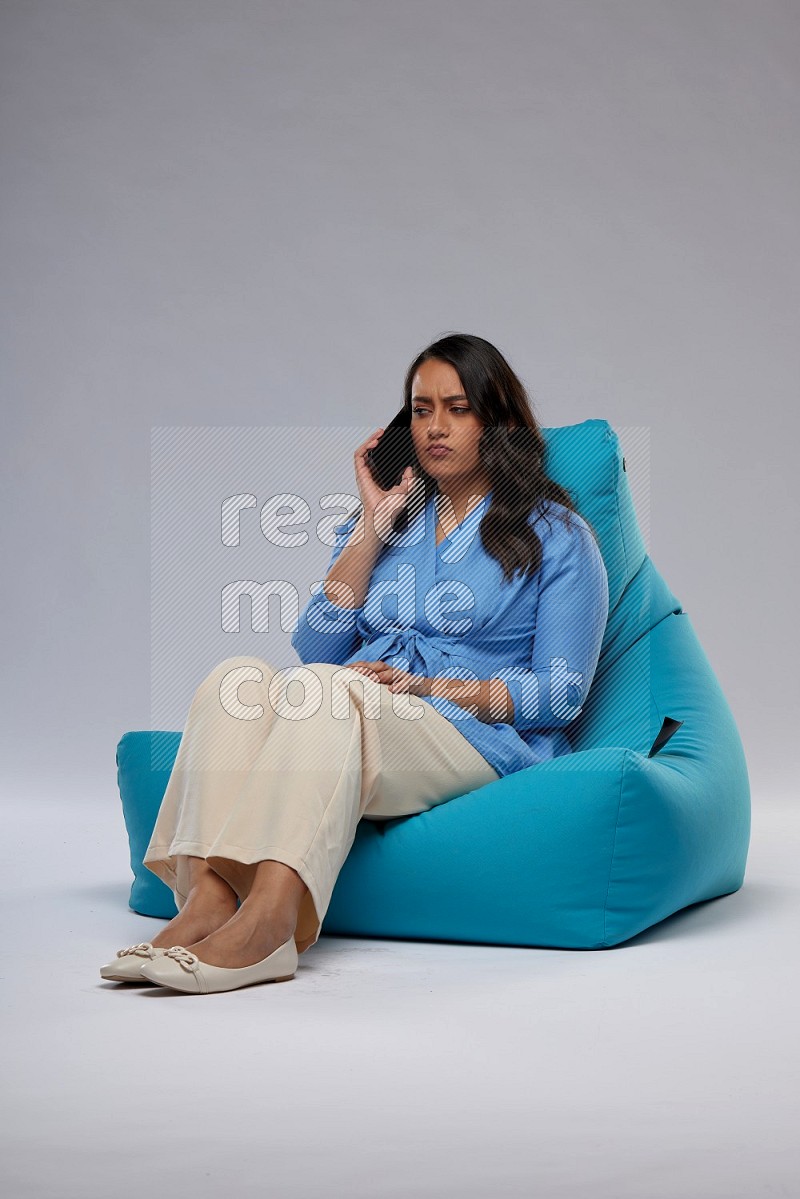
column 142, row 949
column 184, row 957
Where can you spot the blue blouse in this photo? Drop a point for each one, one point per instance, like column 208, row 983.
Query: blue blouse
column 447, row 610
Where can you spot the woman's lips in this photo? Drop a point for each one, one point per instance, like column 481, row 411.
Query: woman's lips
column 438, row 451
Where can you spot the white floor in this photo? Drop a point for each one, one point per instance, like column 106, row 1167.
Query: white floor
column 666, row 1067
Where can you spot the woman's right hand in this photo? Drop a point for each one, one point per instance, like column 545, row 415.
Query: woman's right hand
column 372, row 494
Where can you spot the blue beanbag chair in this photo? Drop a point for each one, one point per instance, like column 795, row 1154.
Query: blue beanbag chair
column 649, row 814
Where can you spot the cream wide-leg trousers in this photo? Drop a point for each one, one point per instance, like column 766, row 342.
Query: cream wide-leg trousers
column 282, row 764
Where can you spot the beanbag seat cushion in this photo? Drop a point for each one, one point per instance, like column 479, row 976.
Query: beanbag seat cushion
column 649, row 814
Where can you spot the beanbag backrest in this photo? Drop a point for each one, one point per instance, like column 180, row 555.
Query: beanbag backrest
column 587, row 460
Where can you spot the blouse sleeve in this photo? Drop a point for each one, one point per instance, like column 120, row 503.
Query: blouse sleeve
column 571, row 618
column 326, row 631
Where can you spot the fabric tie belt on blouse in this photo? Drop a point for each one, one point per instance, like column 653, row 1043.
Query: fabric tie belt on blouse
column 433, row 651
column 480, row 648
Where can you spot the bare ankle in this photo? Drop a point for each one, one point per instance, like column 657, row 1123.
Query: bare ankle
column 211, row 891
column 260, row 915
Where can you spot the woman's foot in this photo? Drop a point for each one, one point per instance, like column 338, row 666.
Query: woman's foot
column 208, row 907
column 247, row 938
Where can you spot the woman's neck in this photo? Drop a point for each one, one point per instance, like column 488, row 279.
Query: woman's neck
column 463, row 498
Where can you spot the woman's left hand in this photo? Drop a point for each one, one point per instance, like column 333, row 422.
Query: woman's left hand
column 396, row 680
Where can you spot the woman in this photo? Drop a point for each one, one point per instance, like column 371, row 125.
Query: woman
column 501, row 600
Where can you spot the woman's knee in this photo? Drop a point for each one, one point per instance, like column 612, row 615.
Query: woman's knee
column 328, row 685
column 237, row 669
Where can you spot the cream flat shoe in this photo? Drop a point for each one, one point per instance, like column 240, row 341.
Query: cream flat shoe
column 127, row 965
column 182, row 970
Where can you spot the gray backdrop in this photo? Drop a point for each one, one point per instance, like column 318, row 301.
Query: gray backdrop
column 255, row 214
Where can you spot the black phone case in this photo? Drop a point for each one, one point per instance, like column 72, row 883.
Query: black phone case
column 393, row 453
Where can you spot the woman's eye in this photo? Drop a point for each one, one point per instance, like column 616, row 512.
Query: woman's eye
column 460, row 410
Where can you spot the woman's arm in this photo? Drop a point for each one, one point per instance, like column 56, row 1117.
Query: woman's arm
column 571, row 618
column 326, row 630
column 487, row 699
column 351, row 567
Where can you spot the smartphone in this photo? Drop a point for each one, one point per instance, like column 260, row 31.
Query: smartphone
column 394, row 452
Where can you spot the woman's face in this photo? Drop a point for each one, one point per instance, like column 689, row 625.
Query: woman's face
column 441, row 416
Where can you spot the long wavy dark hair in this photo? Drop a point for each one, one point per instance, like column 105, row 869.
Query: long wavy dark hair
column 512, row 451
